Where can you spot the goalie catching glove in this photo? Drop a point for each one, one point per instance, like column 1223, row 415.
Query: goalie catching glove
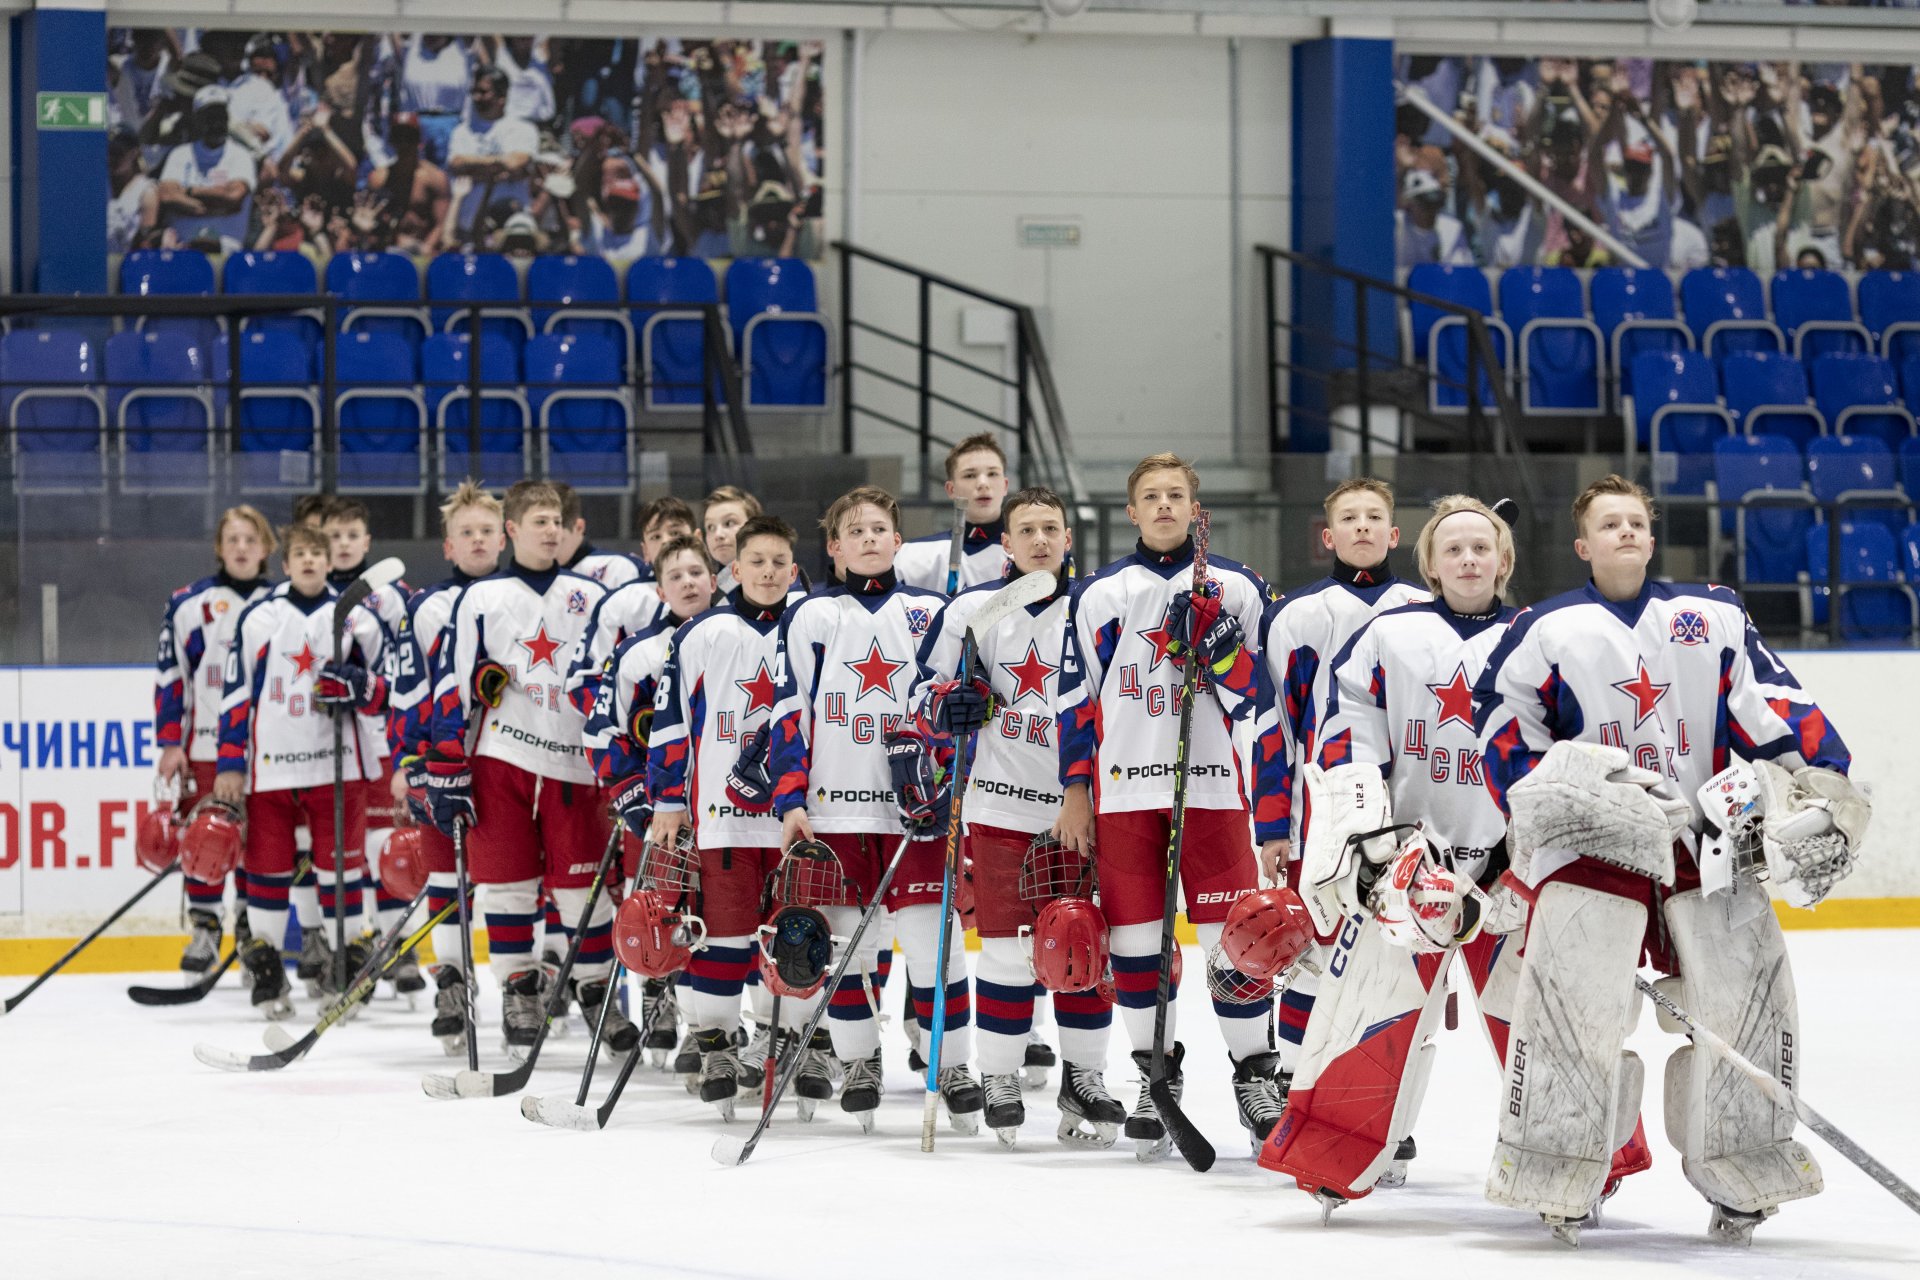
column 1588, row 800
column 1423, row 905
column 1815, row 820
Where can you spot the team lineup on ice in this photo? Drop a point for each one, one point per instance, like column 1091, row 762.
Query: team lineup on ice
column 1372, row 796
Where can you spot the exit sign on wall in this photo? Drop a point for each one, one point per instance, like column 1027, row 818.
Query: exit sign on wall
column 1050, row 233
column 71, row 111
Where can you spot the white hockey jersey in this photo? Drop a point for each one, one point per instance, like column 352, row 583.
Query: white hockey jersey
column 1119, row 689
column 846, row 668
column 270, row 727
column 923, row 561
column 191, row 662
column 718, row 687
column 389, row 604
column 621, row 712
column 417, row 651
column 528, row 622
column 1300, row 634
column 608, row 568
column 1677, row 676
column 1400, row 696
column 624, row 612
column 1013, row 779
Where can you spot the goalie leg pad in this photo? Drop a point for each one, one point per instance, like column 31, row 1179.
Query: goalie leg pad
column 1737, row 1147
column 1575, row 1008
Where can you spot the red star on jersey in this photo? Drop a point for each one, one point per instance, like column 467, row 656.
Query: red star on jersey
column 1645, row 693
column 540, row 649
column 759, row 689
column 303, row 661
column 1455, row 698
column 1029, row 674
column 876, row 672
column 1159, row 636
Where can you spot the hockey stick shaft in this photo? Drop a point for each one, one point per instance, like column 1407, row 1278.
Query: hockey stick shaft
column 599, row 1031
column 349, row 600
column 463, row 896
column 772, row 1063
column 13, row 1002
column 1783, row 1097
column 949, row 877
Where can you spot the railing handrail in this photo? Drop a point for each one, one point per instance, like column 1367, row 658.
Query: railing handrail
column 932, row 277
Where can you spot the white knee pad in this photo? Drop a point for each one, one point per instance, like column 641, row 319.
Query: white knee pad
column 1737, row 1148
column 1559, row 1110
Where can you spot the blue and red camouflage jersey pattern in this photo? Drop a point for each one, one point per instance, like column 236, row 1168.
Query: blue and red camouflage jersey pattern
column 191, row 662
column 620, row 713
column 630, row 609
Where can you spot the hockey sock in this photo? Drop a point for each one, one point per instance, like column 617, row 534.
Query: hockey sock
column 330, row 906
column 305, row 895
column 882, row 935
column 1085, row 1023
column 717, row 975
column 1042, row 1014
column 1296, row 1005
column 1136, row 980
column 794, row 1014
column 759, row 999
column 1004, row 988
column 849, row 1016
column 512, row 910
column 918, row 929
column 387, row 906
column 442, row 886
column 267, row 906
column 207, row 897
column 595, row 960
column 553, row 931
column 1247, row 1028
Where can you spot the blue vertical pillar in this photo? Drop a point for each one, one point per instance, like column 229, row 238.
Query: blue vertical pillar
column 60, row 193
column 1343, row 201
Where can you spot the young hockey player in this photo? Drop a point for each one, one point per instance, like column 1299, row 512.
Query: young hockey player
column 1300, row 633
column 472, row 537
column 189, row 683
column 1609, row 718
column 976, row 476
column 725, row 510
column 506, row 760
column 1130, row 627
column 276, row 748
column 610, row 569
column 851, row 771
column 661, row 521
column 1008, row 701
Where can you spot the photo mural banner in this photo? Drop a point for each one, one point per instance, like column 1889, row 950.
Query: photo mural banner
column 1687, row 163
column 329, row 141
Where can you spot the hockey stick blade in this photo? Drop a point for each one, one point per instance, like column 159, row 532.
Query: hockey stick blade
column 728, row 1150
column 385, row 573
column 1010, row 599
column 1189, row 1141
column 227, row 1060
column 183, row 995
column 465, row 1084
column 560, row 1113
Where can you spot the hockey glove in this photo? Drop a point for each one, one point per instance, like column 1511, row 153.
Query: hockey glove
column 450, row 791
column 490, row 681
column 959, row 706
column 1196, row 622
column 631, row 805
column 923, row 801
column 419, row 804
column 348, row 684
column 749, row 784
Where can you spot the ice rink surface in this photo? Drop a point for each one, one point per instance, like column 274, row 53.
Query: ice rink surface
column 120, row 1155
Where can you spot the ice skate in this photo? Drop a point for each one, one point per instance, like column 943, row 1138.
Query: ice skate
column 316, row 960
column 686, row 1062
column 450, row 1010
column 1328, row 1202
column 1256, row 1093
column 659, row 1021
column 1089, row 1115
column 203, row 942
column 270, row 985
column 619, row 1034
column 719, row 1076
column 1396, row 1174
column 963, row 1098
column 242, row 935
column 753, row 1058
column 916, row 1060
column 1567, row 1230
column 406, row 977
column 860, row 1091
column 813, row 1083
column 520, row 1012
column 1151, row 1140
column 1040, row 1060
column 1006, row 1110
column 1730, row 1226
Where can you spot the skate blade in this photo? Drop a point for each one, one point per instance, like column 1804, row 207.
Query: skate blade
column 691, row 1083
column 1008, row 1137
column 1328, row 1203
column 805, row 1106
column 866, row 1119
column 516, row 1053
column 560, row 1113
column 657, row 1059
column 1394, row 1177
column 1033, row 1078
column 967, row 1123
column 725, row 1108
column 1565, row 1230
column 1148, row 1150
column 1095, row 1137
column 452, row 1046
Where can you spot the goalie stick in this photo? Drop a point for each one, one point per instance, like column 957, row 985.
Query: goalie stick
column 197, row 990
column 1782, row 1096
column 385, row 573
column 13, row 1002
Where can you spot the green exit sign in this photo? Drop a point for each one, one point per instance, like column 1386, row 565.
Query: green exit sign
column 71, row 110
column 1050, row 233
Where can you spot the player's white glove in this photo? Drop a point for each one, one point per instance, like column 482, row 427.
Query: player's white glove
column 1346, row 801
column 1815, row 820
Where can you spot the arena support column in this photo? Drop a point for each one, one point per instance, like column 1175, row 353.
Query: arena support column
column 1343, row 201
column 60, row 162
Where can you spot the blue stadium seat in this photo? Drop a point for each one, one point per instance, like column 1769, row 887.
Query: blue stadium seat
column 387, row 287
column 152, row 273
column 1857, row 395
column 1761, row 482
column 270, row 272
column 1908, row 462
column 1910, row 552
column 1884, row 608
column 584, row 409
column 1677, row 412
column 1767, row 392
column 505, row 418
column 590, row 293
column 779, row 332
column 1634, row 309
column 477, row 277
column 382, row 415
column 56, row 415
column 1890, row 308
column 1910, row 383
column 1815, row 311
column 1440, row 339
column 162, row 409
column 1857, row 469
column 673, row 342
column 1560, row 347
column 279, row 413
column 1727, row 311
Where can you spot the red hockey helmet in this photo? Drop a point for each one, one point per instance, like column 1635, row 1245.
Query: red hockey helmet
column 403, row 863
column 810, row 874
column 796, row 951
column 156, row 841
column 654, row 939
column 1267, row 932
column 210, row 846
column 1070, row 945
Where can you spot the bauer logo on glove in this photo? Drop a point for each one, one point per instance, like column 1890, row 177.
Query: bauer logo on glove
column 749, row 783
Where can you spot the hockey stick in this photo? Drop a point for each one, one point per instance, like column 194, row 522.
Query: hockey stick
column 386, row 572
column 1016, row 595
column 464, row 890
column 1783, row 1097
column 599, row 1031
column 484, row 1084
column 1193, row 1145
column 12, row 1002
column 199, row 988
column 282, row 1049
column 556, row 1113
column 953, row 548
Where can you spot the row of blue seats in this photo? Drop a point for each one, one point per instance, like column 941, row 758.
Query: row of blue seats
column 1683, row 401
column 1574, row 351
